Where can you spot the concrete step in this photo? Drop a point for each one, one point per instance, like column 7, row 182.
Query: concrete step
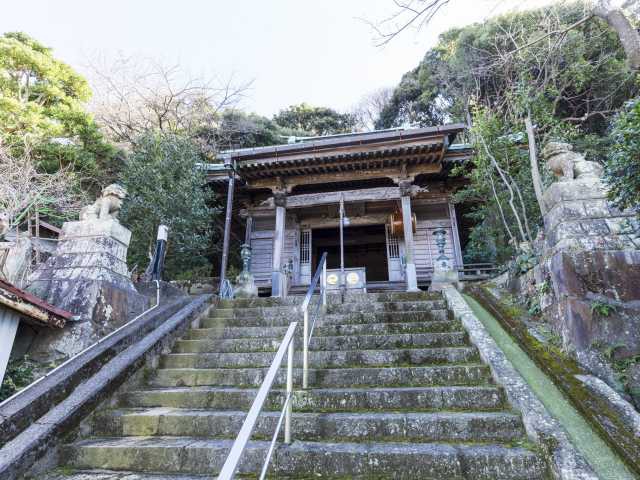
column 327, row 460
column 477, row 427
column 439, row 315
column 245, row 318
column 401, row 306
column 323, row 378
column 325, row 330
column 357, row 297
column 261, row 302
column 327, row 359
column 339, row 342
column 481, row 398
column 67, row 473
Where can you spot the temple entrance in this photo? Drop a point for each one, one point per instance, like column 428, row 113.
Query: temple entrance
column 364, row 246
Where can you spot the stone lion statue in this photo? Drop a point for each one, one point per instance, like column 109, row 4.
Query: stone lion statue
column 107, row 205
column 567, row 164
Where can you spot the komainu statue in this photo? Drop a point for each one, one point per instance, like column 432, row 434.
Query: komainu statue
column 106, row 206
column 567, row 164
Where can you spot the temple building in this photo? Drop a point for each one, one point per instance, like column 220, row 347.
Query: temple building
column 379, row 203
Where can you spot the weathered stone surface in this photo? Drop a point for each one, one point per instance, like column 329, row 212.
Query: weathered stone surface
column 43, row 436
column 421, row 427
column 330, row 460
column 17, row 261
column 87, row 276
column 566, row 462
column 396, row 391
column 633, row 384
column 591, row 257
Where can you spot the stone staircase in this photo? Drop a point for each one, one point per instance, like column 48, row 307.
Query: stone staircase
column 397, row 392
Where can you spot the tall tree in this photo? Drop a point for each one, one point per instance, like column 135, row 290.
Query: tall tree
column 315, row 120
column 134, row 95
column 42, row 105
column 616, row 13
column 492, row 76
column 165, row 186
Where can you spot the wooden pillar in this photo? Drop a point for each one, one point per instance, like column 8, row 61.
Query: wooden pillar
column 407, row 222
column 227, row 229
column 457, row 249
column 277, row 277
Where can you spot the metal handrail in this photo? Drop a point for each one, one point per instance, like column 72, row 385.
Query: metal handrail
column 240, row 443
column 320, row 277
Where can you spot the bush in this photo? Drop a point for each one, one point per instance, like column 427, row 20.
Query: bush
column 622, row 169
column 19, row 374
column 165, row 186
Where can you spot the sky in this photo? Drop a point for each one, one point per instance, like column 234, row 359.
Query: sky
column 321, row 52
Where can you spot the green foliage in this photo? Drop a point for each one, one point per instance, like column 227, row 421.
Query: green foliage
column 165, row 186
column 544, row 287
column 315, row 120
column 42, row 105
column 622, row 169
column 237, row 129
column 603, row 309
column 534, row 308
column 478, row 73
column 19, row 374
column 525, row 261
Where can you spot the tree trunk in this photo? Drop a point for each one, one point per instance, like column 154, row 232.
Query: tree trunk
column 533, row 158
column 629, row 37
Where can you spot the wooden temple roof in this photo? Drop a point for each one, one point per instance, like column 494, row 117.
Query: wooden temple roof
column 423, row 149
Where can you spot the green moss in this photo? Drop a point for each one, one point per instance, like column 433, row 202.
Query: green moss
column 560, row 372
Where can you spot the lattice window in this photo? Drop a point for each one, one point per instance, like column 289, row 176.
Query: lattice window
column 305, row 247
column 392, row 242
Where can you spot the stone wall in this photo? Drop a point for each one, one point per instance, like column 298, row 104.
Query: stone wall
column 87, row 276
column 591, row 254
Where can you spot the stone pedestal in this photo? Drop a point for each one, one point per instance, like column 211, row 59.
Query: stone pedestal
column 591, row 254
column 87, row 276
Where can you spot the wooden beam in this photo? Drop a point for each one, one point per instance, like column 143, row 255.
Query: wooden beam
column 326, row 198
column 332, row 222
column 348, row 175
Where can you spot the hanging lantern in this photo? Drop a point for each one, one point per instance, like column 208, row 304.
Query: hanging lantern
column 396, row 225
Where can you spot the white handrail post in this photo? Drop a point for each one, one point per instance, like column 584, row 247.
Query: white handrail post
column 289, row 397
column 305, row 348
column 323, row 283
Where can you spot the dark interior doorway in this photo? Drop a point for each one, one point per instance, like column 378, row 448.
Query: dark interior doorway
column 364, row 246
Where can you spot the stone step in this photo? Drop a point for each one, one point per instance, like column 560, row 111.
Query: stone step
column 390, row 341
column 241, row 318
column 482, row 398
column 438, row 315
column 323, row 378
column 339, row 342
column 327, row 359
column 327, row 460
column 261, row 302
column 477, row 427
column 357, row 297
column 401, row 306
column 67, row 473
column 324, row 330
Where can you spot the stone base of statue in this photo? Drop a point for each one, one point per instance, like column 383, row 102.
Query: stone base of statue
column 245, row 286
column 442, row 279
column 87, row 276
column 591, row 255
